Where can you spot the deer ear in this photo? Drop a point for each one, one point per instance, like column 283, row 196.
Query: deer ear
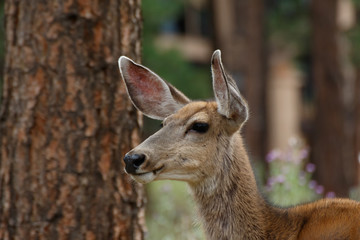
column 229, row 100
column 149, row 93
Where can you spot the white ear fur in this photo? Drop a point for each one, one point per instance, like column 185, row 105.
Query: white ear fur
column 229, row 100
column 148, row 92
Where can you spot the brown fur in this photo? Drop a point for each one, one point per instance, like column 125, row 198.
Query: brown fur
column 216, row 166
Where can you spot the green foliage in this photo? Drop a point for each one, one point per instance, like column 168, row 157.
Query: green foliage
column 288, row 24
column 290, row 180
column 170, row 65
column 156, row 12
column 356, row 3
column 170, row 212
column 354, row 37
column 355, row 193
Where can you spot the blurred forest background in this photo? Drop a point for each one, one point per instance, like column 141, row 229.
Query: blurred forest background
column 298, row 64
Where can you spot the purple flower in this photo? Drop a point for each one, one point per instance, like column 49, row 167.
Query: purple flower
column 310, row 167
column 330, row 195
column 319, row 189
column 273, row 155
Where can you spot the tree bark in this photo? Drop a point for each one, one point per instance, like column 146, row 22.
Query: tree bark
column 239, row 33
column 334, row 126
column 66, row 121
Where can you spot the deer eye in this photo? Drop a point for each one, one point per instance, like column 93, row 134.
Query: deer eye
column 199, row 127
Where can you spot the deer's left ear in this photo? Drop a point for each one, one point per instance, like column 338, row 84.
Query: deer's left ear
column 229, row 100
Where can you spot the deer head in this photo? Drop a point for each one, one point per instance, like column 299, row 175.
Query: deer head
column 195, row 134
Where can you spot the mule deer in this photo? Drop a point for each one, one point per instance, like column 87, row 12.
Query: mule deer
column 200, row 144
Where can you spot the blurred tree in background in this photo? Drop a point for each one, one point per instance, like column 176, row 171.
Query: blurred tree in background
column 66, row 122
column 239, row 31
column 313, row 34
column 335, row 123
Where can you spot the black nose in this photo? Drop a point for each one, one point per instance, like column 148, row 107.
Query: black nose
column 133, row 162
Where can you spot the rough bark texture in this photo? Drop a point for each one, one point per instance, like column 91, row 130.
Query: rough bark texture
column 66, row 121
column 239, row 34
column 334, row 129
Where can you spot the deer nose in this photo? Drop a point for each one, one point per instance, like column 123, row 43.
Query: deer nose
column 133, row 162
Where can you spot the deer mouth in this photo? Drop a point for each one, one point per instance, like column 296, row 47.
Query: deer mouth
column 146, row 177
column 155, row 171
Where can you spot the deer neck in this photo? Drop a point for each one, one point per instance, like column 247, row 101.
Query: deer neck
column 229, row 202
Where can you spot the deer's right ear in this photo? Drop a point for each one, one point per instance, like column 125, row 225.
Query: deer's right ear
column 149, row 93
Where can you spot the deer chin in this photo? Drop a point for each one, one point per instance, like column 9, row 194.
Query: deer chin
column 146, row 177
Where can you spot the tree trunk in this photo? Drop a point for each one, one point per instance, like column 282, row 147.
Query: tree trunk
column 334, row 126
column 66, row 121
column 239, row 30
